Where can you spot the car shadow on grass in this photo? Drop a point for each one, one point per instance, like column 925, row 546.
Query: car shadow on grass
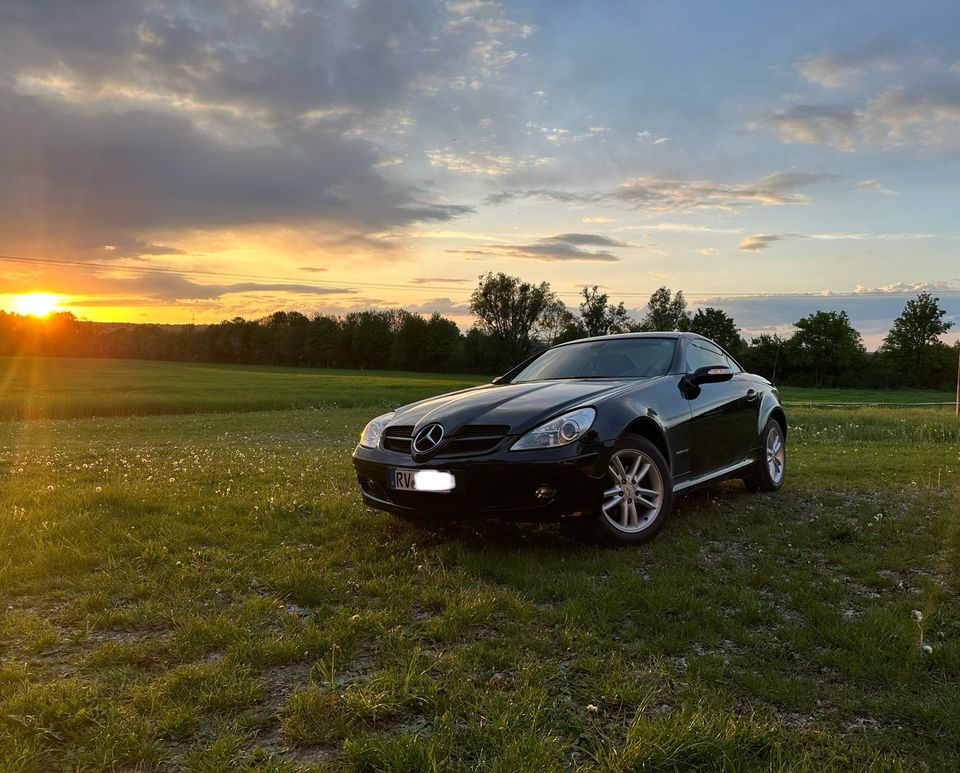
column 569, row 534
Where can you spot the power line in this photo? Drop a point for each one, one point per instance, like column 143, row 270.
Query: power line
column 333, row 284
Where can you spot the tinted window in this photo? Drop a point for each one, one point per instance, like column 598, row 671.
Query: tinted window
column 733, row 365
column 615, row 358
column 702, row 354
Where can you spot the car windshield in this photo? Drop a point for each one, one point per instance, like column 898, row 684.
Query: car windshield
column 613, row 358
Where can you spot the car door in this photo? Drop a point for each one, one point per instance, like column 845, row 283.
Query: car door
column 723, row 420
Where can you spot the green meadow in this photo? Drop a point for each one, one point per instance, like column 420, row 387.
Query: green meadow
column 62, row 387
column 189, row 581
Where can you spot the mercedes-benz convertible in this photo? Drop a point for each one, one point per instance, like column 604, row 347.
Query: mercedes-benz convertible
column 606, row 428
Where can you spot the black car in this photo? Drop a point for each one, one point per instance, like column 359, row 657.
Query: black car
column 607, row 427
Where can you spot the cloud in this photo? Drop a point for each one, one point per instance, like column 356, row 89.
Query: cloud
column 429, row 280
column 921, row 116
column 836, row 70
column 874, row 185
column 123, row 283
column 682, row 228
column 444, row 306
column 648, row 137
column 128, row 246
column 553, row 253
column 837, row 126
column 947, row 286
column 758, row 242
column 598, row 219
column 560, row 248
column 659, row 194
column 708, row 251
column 921, row 109
column 482, row 163
column 663, row 195
column 128, row 124
column 595, row 240
column 558, row 136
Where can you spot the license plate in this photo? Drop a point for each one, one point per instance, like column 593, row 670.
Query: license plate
column 422, row 480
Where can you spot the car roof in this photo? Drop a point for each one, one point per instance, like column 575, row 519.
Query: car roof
column 653, row 334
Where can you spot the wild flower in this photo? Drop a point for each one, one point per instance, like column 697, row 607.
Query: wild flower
column 918, row 619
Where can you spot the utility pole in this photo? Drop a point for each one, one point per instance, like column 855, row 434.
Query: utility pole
column 956, row 405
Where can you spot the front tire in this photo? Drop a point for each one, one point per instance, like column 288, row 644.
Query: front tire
column 769, row 472
column 637, row 495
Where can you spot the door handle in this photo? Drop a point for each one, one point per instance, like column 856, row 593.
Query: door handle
column 752, row 394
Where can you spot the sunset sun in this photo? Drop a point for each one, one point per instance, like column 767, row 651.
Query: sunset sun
column 35, row 304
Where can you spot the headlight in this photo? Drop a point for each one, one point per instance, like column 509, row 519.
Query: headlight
column 560, row 431
column 370, row 437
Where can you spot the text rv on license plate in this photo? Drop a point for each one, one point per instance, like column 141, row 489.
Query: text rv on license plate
column 422, row 480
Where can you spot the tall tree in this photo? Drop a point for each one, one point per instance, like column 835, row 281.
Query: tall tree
column 666, row 311
column 442, row 343
column 718, row 326
column 514, row 311
column 763, row 356
column 828, row 342
column 599, row 317
column 368, row 337
column 322, row 346
column 914, row 335
column 408, row 344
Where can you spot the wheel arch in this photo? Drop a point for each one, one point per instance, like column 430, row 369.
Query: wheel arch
column 647, row 428
column 781, row 418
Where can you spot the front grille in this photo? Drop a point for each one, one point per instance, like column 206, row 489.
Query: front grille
column 468, row 440
column 474, row 439
column 398, row 438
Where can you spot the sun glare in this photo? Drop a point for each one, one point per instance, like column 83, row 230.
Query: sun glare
column 35, row 304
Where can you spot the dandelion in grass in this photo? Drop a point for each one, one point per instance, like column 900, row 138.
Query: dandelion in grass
column 918, row 619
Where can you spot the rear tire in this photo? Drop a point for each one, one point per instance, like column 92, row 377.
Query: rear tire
column 637, row 495
column 770, row 471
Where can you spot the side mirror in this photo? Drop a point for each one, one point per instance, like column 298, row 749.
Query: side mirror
column 711, row 374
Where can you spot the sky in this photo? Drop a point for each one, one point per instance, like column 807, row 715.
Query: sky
column 195, row 161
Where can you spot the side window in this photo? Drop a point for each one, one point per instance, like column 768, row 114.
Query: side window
column 701, row 354
column 733, row 365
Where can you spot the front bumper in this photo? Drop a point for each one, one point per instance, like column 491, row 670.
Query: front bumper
column 503, row 484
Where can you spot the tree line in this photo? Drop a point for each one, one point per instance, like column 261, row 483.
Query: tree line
column 514, row 319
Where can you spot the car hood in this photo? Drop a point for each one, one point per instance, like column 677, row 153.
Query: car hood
column 519, row 406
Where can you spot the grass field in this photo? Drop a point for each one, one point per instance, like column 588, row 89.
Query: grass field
column 48, row 387
column 205, row 592
column 39, row 387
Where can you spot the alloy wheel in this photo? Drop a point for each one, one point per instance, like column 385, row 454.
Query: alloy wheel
column 634, row 495
column 776, row 454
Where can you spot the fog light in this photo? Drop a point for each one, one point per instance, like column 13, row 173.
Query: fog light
column 545, row 492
